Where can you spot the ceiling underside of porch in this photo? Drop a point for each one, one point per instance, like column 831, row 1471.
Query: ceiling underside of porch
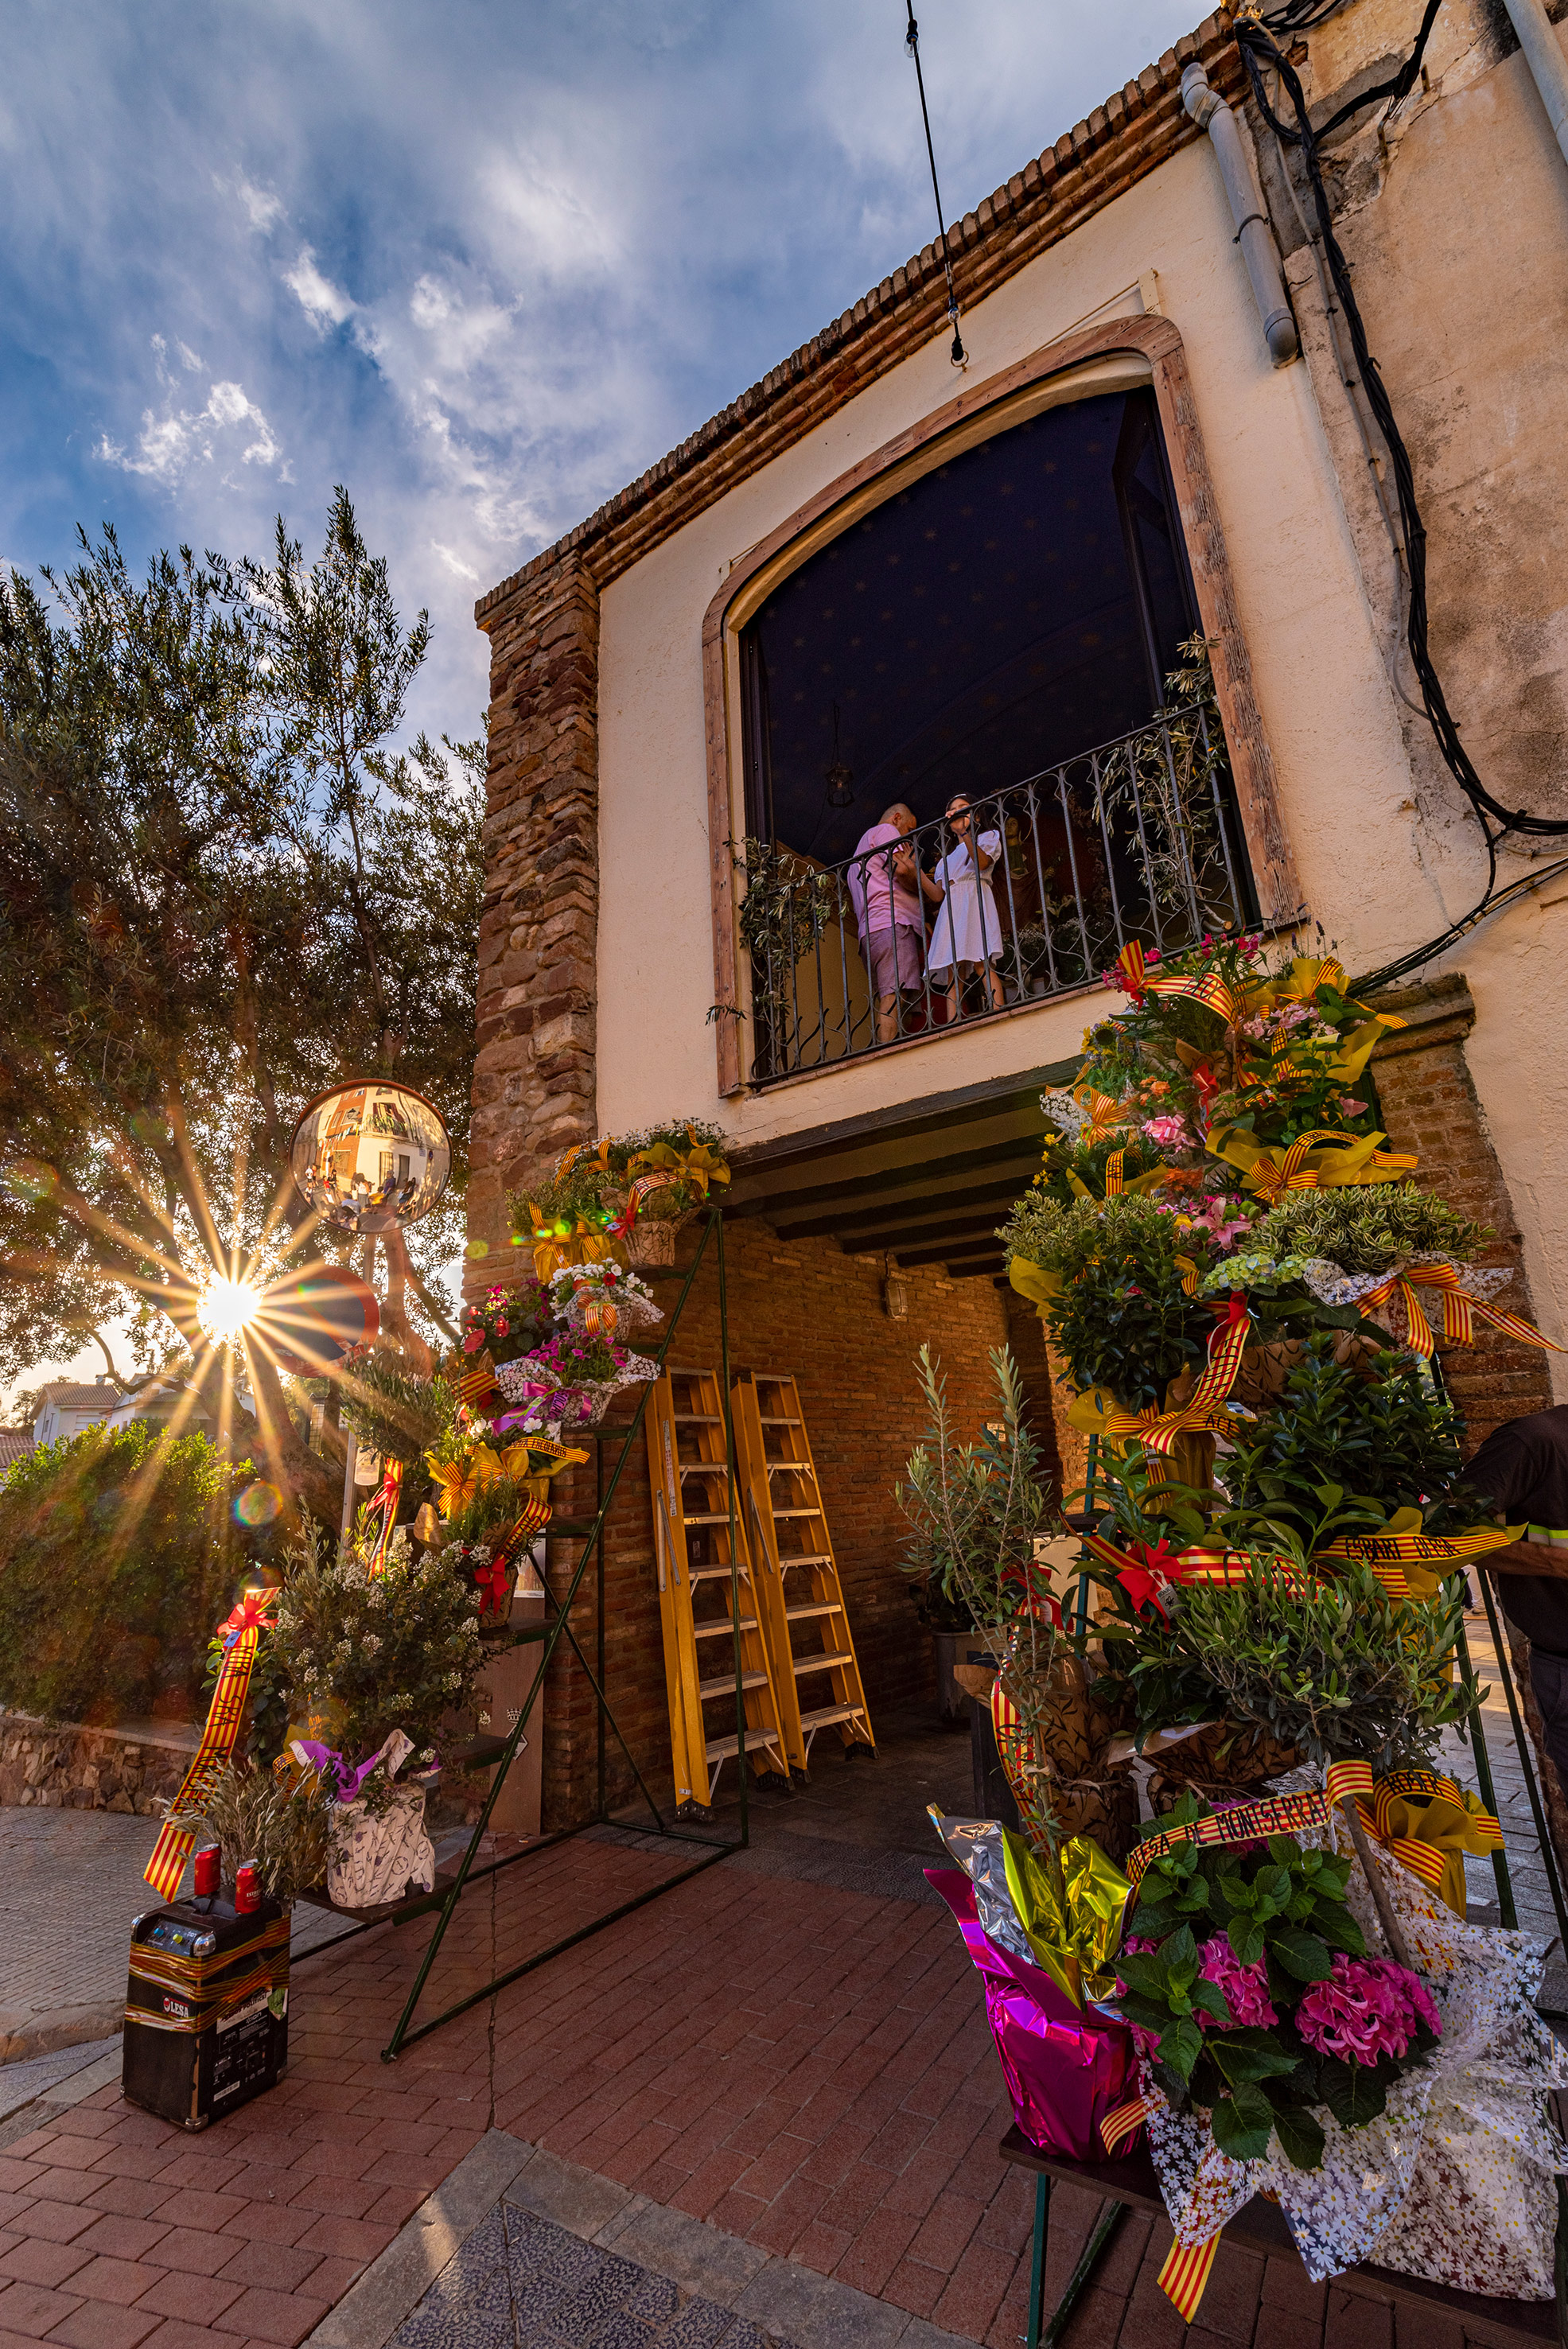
column 927, row 1182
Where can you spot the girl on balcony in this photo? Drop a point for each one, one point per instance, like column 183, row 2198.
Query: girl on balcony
column 967, row 935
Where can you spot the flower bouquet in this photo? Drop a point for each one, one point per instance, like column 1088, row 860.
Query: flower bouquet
column 570, row 1381
column 505, row 1322
column 603, row 1300
column 1281, row 2053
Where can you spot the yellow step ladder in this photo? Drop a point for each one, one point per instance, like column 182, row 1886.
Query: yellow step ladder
column 815, row 1672
column 689, row 1479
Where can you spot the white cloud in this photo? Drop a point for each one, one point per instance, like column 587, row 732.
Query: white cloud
column 454, row 563
column 264, row 209
column 169, row 444
column 320, row 300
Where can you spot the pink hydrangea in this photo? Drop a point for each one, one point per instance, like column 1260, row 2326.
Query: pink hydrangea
column 1368, row 2007
column 1245, row 1988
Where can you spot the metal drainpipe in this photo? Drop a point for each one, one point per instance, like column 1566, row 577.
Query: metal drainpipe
column 1543, row 56
column 1253, row 234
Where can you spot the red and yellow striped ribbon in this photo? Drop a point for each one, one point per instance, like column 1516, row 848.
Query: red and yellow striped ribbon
column 1204, row 986
column 1450, row 1824
column 1123, row 2123
column 1279, row 1815
column 1157, row 1430
column 1185, row 2274
column 1016, row 1752
column 1459, row 1309
column 242, row 1633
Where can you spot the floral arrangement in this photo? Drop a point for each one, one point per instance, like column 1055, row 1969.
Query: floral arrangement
column 598, row 1300
column 1247, row 1981
column 361, row 1654
column 568, row 1382
column 599, row 1189
column 506, row 1322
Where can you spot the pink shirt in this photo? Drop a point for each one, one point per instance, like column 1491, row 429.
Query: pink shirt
column 882, row 902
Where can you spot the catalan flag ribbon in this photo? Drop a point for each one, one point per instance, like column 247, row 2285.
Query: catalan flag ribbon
column 1123, row 2123
column 1249, row 1822
column 1205, row 1407
column 241, row 1635
column 1458, row 1312
column 1183, row 2277
column 1429, row 1822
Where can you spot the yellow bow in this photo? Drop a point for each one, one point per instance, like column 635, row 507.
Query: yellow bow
column 1102, row 1115
column 1459, row 1309
column 1204, row 1411
column 1429, row 1823
column 561, row 1240
column 458, row 1482
column 1308, row 1163
column 700, row 1161
column 1117, row 1183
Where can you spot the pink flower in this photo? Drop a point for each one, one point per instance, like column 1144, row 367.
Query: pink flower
column 1245, row 1988
column 1370, row 2007
column 1349, row 1108
column 472, row 1341
column 1171, row 1133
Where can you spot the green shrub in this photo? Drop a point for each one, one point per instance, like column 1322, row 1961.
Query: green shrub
column 119, row 1553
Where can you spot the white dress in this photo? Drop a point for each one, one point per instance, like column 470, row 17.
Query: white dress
column 966, row 928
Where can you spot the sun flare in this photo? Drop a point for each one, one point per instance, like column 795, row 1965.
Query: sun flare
column 225, row 1307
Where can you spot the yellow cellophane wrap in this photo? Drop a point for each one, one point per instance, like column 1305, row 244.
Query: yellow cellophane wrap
column 1074, row 1933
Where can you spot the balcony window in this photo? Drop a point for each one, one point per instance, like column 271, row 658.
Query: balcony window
column 999, row 631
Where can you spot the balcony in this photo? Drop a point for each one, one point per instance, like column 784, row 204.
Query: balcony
column 1035, row 897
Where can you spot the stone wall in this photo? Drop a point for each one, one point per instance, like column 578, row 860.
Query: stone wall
column 62, row 1766
column 533, row 1067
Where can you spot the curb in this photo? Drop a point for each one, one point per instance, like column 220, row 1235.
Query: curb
column 58, row 2027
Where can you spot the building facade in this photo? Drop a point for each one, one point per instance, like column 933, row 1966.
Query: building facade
column 878, row 580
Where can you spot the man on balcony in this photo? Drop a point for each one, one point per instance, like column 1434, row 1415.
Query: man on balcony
column 885, row 885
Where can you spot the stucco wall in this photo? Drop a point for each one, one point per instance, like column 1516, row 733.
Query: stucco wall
column 1457, row 229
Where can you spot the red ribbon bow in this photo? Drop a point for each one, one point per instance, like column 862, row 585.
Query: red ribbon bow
column 250, row 1614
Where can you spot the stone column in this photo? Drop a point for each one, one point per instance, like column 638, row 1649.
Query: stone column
column 538, row 935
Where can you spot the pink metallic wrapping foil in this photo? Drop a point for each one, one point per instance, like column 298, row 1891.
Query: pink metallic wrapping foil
column 1064, row 2070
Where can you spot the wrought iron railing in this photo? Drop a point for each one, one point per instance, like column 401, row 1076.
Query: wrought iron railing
column 1038, row 894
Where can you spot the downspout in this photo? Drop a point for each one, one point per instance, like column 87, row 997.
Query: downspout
column 1253, row 234
column 1545, row 58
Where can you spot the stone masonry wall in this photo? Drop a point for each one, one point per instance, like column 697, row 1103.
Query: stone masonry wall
column 533, row 1068
column 1429, row 1107
column 63, row 1767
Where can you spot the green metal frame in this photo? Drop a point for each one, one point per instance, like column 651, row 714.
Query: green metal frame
column 550, row 1636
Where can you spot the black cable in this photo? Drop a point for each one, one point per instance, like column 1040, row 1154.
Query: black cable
column 1495, row 820
column 912, row 45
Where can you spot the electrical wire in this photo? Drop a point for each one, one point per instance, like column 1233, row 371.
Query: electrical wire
column 1255, row 37
column 957, row 354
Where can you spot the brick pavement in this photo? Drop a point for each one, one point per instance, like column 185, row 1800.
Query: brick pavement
column 806, row 2067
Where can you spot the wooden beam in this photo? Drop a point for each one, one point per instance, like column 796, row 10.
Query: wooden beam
column 935, row 1205
column 1014, row 1154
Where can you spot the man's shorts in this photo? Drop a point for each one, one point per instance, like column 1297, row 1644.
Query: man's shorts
column 895, row 959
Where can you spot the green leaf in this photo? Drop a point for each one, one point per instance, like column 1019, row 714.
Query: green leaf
column 1242, row 2123
column 1336, row 1925
column 1285, row 1852
column 1301, row 2138
column 1208, row 1998
column 1354, row 2093
column 1180, row 1957
column 1301, row 1953
column 1143, row 1969
column 1251, row 2056
column 1245, row 1935
column 1181, row 2045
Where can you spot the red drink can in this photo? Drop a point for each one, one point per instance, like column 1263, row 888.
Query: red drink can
column 247, row 1891
column 209, row 1871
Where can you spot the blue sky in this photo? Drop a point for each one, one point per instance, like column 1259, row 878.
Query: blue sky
column 482, row 265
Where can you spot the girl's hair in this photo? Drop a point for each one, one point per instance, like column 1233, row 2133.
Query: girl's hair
column 958, row 800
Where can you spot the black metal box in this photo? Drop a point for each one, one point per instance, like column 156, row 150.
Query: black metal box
column 206, row 2011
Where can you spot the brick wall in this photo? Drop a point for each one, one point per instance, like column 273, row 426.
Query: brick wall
column 807, row 1310
column 533, row 1067
column 1429, row 1107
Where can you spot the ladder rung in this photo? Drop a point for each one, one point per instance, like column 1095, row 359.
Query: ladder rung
column 823, row 1607
column 719, row 1518
column 712, row 1573
column 712, row 1630
column 807, row 1557
column 707, row 1690
column 789, row 1468
column 797, row 1513
column 696, row 1419
column 781, row 1422
column 762, row 1742
column 831, row 1712
column 821, row 1663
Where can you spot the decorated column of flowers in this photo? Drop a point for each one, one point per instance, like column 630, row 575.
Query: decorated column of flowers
column 1247, row 1290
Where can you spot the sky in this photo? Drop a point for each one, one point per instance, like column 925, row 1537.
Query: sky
column 482, row 266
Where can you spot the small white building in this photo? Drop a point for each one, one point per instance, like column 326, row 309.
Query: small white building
column 66, row 1408
column 164, row 1402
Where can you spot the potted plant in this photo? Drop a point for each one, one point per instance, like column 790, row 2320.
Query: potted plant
column 372, row 1661
column 568, row 1382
